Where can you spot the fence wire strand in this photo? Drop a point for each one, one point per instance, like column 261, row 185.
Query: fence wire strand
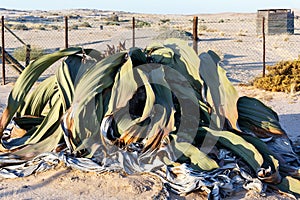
column 237, row 38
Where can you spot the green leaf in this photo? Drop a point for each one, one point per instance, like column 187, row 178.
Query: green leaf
column 270, row 160
column 88, row 88
column 221, row 94
column 66, row 76
column 238, row 145
column 48, row 144
column 26, row 80
column 179, row 56
column 123, row 88
column 27, row 122
column 290, row 185
column 49, row 125
column 137, row 56
column 214, row 56
column 37, row 100
column 198, row 158
column 256, row 117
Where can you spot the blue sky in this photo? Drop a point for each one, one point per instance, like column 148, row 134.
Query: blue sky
column 154, row 6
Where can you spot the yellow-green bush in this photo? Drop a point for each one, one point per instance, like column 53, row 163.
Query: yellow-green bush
column 284, row 76
column 20, row 53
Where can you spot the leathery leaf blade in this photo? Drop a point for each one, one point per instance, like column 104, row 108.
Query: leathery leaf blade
column 239, row 146
column 26, row 80
column 221, row 94
column 37, row 100
column 199, row 159
column 256, row 117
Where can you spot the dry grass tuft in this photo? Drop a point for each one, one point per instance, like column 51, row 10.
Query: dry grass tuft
column 284, row 76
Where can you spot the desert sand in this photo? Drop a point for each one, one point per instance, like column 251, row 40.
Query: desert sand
column 65, row 183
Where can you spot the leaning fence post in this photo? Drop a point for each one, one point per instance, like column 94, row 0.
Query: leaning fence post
column 195, row 34
column 66, row 32
column 3, row 50
column 28, row 49
column 264, row 46
column 133, row 32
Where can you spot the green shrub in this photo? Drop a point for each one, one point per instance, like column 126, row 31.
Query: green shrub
column 184, row 35
column 85, row 24
column 165, row 20
column 54, row 27
column 9, row 25
column 74, row 27
column 141, row 24
column 22, row 27
column 41, row 27
column 281, row 77
column 112, row 24
column 20, row 53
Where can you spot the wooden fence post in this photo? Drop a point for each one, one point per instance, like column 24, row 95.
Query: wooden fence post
column 264, row 46
column 195, row 34
column 133, row 31
column 28, row 50
column 3, row 50
column 66, row 32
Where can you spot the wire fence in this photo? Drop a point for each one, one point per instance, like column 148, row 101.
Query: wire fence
column 237, row 38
